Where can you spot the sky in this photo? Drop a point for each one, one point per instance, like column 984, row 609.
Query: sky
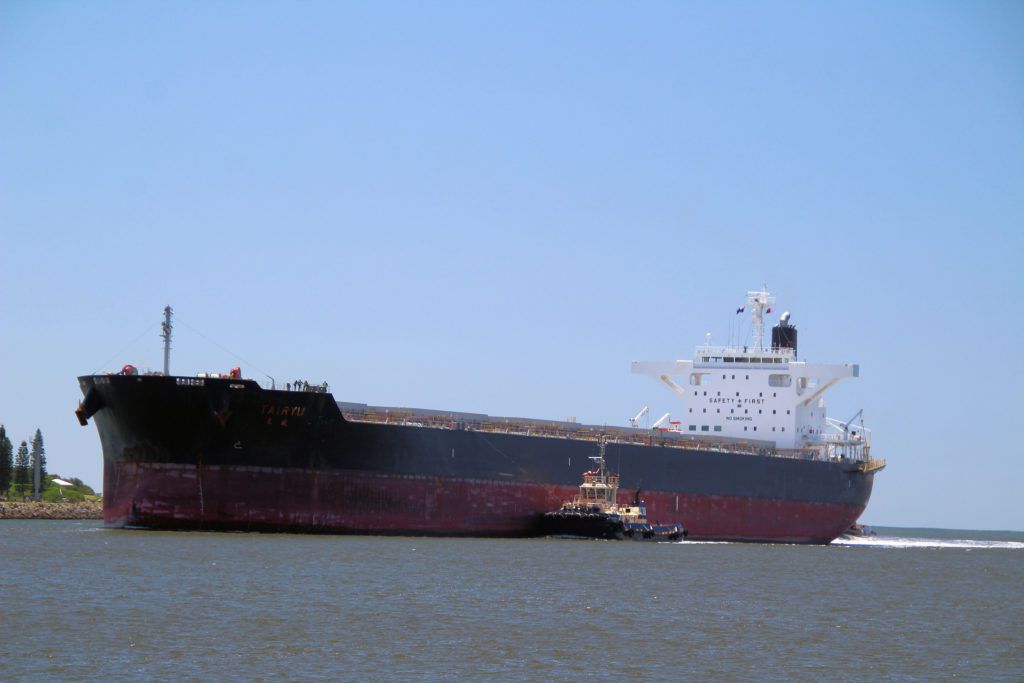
column 496, row 207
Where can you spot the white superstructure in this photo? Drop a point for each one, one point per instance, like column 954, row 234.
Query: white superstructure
column 753, row 392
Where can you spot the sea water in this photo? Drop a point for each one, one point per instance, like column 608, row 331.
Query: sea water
column 81, row 602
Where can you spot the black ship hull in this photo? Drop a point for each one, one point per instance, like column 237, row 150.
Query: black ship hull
column 193, row 453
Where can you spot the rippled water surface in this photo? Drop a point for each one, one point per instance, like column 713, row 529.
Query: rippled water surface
column 81, row 602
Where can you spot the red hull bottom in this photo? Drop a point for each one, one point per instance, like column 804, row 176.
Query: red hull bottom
column 169, row 496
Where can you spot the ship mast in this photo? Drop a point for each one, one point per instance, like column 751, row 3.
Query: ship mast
column 166, row 334
column 759, row 300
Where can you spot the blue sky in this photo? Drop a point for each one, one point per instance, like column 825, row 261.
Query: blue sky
column 495, row 207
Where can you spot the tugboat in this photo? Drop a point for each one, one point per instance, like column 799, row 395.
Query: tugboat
column 593, row 513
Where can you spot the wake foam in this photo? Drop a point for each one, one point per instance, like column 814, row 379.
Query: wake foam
column 896, row 542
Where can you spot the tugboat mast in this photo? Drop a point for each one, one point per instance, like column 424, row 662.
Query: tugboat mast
column 166, row 334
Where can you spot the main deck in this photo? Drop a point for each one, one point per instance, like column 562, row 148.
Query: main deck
column 832, row 447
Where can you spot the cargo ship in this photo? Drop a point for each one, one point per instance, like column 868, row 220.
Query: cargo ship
column 753, row 456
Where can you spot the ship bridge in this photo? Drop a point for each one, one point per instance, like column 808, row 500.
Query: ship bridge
column 756, row 392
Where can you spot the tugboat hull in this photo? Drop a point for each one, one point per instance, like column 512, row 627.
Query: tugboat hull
column 599, row 525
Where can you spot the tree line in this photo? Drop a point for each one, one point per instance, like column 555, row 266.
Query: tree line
column 18, row 472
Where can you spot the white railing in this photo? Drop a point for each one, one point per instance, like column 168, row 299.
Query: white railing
column 844, row 443
column 846, row 431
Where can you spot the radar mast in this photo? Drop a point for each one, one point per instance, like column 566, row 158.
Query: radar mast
column 760, row 301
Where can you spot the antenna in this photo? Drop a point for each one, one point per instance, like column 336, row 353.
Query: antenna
column 166, row 334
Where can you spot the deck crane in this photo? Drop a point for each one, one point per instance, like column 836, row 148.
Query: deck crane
column 658, row 423
column 634, row 420
column 846, row 425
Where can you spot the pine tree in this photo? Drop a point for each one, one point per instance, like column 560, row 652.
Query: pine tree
column 22, row 475
column 38, row 454
column 6, row 462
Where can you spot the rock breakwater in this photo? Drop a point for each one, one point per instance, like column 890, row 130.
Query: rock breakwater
column 90, row 510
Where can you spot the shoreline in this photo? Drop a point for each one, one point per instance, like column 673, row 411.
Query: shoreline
column 83, row 510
